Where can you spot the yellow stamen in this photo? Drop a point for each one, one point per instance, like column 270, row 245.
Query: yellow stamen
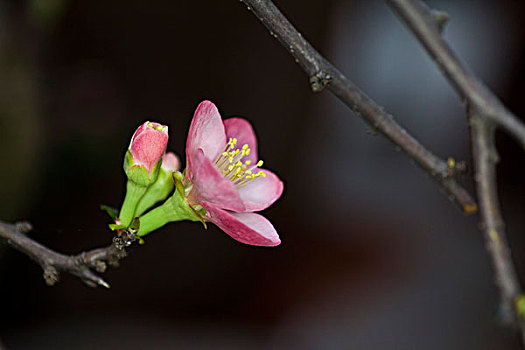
column 230, row 164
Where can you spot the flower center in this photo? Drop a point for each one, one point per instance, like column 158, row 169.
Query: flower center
column 229, row 162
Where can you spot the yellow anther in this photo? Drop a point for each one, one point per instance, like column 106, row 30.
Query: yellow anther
column 157, row 126
column 230, row 163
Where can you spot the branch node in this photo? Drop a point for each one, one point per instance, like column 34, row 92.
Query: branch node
column 100, row 266
column 493, row 156
column 440, row 19
column 451, row 167
column 470, row 209
column 319, row 81
column 23, row 227
column 455, row 167
column 51, row 275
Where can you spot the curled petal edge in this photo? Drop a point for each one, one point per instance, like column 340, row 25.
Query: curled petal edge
column 262, row 192
column 247, row 228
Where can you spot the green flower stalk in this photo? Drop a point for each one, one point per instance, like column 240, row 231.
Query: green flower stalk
column 161, row 188
column 142, row 164
column 175, row 208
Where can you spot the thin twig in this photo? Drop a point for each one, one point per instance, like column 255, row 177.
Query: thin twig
column 485, row 113
column 81, row 265
column 485, row 159
column 323, row 74
column 427, row 28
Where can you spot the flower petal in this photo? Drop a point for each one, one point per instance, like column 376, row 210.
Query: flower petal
column 262, row 192
column 148, row 144
column 242, row 130
column 206, row 132
column 170, row 162
column 248, row 228
column 209, row 185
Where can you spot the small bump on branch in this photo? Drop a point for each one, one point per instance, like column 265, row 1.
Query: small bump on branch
column 440, row 19
column 319, row 81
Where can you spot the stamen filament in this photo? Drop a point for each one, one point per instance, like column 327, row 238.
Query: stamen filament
column 229, row 162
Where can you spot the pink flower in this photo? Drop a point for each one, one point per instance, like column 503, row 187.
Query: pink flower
column 226, row 178
column 148, row 144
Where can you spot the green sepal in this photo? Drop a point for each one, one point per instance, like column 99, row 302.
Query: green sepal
column 177, row 179
column 200, row 212
column 134, row 226
column 116, row 227
column 112, row 212
column 138, row 173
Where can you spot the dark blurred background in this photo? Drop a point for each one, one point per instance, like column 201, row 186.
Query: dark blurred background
column 373, row 256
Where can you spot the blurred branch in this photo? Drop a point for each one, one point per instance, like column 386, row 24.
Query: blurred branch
column 426, row 26
column 323, row 74
column 485, row 112
column 80, row 265
column 485, row 159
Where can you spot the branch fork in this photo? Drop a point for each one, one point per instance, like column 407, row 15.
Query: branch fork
column 52, row 263
column 485, row 112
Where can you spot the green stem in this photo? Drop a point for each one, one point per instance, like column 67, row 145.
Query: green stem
column 154, row 220
column 173, row 209
column 156, row 192
column 134, row 193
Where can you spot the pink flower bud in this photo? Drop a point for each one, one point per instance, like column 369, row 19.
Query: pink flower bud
column 148, row 144
column 170, row 162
